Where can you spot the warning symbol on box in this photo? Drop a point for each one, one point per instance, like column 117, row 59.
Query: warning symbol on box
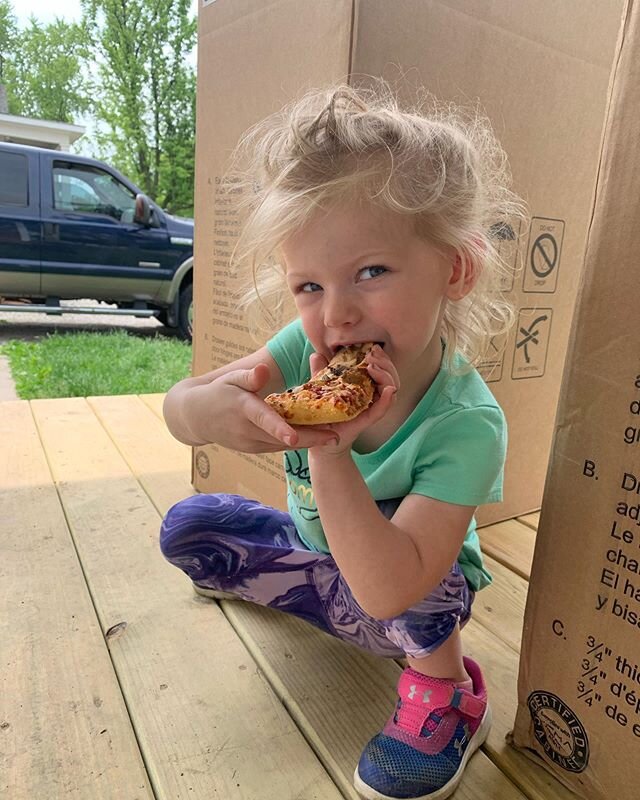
column 505, row 239
column 491, row 365
column 543, row 255
column 532, row 343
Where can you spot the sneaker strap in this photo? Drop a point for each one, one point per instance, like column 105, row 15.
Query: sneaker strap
column 421, row 695
column 468, row 704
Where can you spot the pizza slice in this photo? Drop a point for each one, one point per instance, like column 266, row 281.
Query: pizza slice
column 338, row 393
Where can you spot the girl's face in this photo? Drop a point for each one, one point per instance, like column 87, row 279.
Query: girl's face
column 360, row 274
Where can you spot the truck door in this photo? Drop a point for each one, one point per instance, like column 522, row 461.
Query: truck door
column 85, row 251
column 19, row 225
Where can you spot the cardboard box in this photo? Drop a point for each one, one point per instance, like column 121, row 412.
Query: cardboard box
column 540, row 71
column 579, row 683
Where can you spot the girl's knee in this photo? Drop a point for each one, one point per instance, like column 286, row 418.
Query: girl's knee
column 201, row 517
column 427, row 625
column 180, row 523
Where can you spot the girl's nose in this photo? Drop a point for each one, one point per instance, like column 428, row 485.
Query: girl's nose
column 339, row 310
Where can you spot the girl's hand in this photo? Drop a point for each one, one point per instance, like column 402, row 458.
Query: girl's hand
column 384, row 374
column 230, row 412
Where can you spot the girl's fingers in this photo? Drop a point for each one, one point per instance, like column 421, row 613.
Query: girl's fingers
column 381, row 406
column 316, row 439
column 381, row 368
column 387, row 396
column 262, row 443
column 271, row 423
column 382, row 377
column 317, row 362
column 277, row 432
column 252, row 380
column 268, row 421
column 378, row 369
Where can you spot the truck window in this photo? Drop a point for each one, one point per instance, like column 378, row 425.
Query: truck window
column 83, row 189
column 14, row 180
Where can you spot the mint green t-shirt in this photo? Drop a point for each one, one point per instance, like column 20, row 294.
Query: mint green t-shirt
column 452, row 448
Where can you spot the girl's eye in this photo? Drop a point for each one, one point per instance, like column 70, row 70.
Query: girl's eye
column 372, row 272
column 309, row 287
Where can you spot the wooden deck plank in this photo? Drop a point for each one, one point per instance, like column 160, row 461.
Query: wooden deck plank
column 336, row 714
column 346, row 701
column 511, row 543
column 500, row 606
column 65, row 726
column 500, row 667
column 207, row 722
column 154, row 401
column 161, row 463
column 532, row 520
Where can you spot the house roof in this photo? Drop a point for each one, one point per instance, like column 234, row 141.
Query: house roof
column 38, row 132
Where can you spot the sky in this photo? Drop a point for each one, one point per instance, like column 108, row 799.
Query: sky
column 46, row 11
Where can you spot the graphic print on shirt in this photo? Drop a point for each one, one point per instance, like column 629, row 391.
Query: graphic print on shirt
column 300, row 487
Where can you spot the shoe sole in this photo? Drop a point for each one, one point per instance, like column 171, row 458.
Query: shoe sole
column 449, row 788
column 215, row 594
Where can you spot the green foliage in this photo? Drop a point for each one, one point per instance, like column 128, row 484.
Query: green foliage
column 8, row 26
column 8, row 46
column 8, row 29
column 49, row 80
column 147, row 92
column 41, row 67
column 89, row 364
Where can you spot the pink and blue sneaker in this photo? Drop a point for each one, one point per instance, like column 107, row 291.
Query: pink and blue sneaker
column 423, row 749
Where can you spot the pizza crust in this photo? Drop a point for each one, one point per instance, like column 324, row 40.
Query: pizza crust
column 338, row 393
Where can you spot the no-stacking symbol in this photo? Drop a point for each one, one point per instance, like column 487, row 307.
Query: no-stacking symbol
column 544, row 255
column 530, row 335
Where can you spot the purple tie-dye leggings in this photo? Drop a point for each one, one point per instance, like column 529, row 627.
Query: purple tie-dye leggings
column 232, row 544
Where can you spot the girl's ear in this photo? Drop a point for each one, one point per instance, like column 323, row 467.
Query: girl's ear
column 464, row 275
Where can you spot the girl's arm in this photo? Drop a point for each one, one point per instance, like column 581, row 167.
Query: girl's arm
column 226, row 407
column 389, row 565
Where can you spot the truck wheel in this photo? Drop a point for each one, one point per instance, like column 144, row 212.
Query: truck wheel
column 185, row 313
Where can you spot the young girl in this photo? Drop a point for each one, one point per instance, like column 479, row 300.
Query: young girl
column 383, row 226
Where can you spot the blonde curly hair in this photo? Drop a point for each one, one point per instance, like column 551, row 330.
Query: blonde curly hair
column 440, row 165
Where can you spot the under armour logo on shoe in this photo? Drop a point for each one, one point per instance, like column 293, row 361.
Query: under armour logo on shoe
column 458, row 744
column 426, row 694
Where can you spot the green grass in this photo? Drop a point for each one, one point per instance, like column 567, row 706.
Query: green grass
column 85, row 364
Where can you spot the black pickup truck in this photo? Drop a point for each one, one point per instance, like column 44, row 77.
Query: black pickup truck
column 74, row 228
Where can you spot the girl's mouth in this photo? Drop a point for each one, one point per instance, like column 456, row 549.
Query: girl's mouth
column 336, row 348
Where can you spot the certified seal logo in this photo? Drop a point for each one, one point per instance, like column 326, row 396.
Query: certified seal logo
column 202, row 464
column 559, row 731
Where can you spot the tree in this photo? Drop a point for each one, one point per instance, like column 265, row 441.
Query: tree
column 41, row 67
column 8, row 46
column 146, row 94
column 50, row 81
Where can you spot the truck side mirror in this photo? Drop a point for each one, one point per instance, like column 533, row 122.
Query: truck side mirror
column 143, row 212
